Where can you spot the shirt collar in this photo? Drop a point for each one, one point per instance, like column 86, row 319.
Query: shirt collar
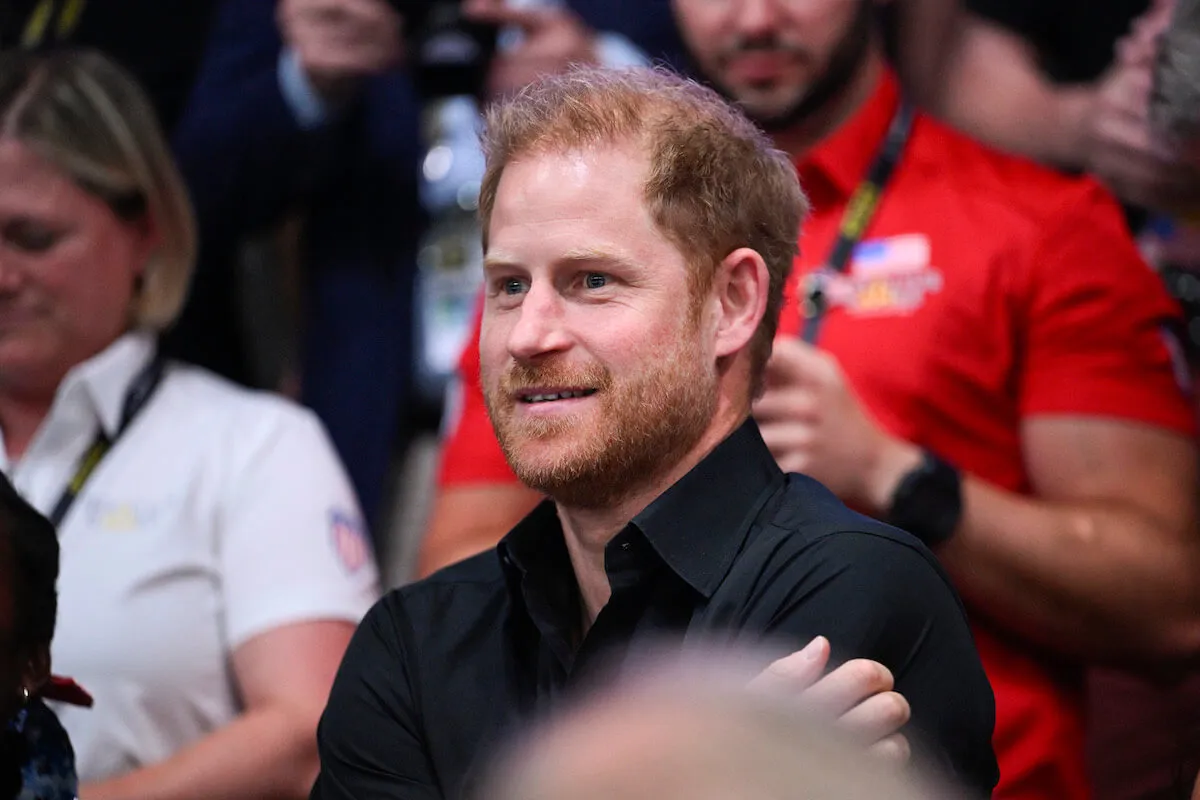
column 842, row 159
column 696, row 527
column 104, row 379
column 699, row 524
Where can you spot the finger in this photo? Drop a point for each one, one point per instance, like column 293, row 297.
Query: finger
column 795, row 361
column 797, row 672
column 337, row 59
column 530, row 20
column 1126, row 93
column 336, row 12
column 847, row 686
column 523, row 67
column 894, row 749
column 788, row 404
column 791, row 445
column 877, row 717
column 1126, row 138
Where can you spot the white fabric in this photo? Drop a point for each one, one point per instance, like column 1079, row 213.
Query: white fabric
column 220, row 514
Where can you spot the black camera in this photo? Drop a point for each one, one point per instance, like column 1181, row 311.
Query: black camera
column 448, row 54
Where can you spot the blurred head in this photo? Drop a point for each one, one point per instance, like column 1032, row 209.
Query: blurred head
column 781, row 60
column 96, row 231
column 691, row 732
column 28, row 599
column 638, row 232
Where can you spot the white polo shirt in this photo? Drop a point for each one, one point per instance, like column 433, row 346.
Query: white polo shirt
column 220, row 514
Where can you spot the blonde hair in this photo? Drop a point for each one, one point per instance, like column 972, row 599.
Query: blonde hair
column 90, row 119
column 715, row 182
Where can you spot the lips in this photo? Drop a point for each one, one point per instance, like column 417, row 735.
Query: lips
column 548, row 396
column 759, row 66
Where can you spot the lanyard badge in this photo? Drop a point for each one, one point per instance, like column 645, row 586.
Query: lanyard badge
column 814, row 292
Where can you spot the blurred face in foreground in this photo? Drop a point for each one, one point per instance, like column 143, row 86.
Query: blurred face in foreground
column 781, row 60
column 596, row 376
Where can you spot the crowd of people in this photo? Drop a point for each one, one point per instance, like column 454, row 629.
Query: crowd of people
column 830, row 344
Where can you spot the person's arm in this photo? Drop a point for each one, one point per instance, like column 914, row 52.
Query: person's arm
column 470, row 518
column 296, row 577
column 370, row 737
column 1105, row 563
column 269, row 751
column 920, row 32
column 1102, row 562
column 249, row 144
column 989, row 84
column 877, row 598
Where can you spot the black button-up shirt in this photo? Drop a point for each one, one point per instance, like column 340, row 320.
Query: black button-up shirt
column 440, row 670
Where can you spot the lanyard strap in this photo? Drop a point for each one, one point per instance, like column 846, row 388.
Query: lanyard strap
column 39, row 21
column 136, row 398
column 859, row 213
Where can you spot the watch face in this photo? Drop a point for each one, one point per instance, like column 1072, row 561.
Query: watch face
column 929, row 502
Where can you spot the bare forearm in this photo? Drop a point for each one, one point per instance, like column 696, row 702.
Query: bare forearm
column 1102, row 584
column 467, row 520
column 261, row 755
column 992, row 88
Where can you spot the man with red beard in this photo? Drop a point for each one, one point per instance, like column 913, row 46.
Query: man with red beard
column 972, row 350
column 638, row 233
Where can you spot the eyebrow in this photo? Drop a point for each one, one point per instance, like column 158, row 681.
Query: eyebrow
column 576, row 256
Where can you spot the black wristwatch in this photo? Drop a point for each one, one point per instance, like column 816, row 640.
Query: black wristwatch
column 928, row 501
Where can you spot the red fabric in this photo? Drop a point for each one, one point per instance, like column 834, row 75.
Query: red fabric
column 66, row 690
column 1032, row 300
column 470, row 451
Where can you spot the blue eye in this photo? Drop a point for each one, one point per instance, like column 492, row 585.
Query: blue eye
column 594, row 280
column 513, row 286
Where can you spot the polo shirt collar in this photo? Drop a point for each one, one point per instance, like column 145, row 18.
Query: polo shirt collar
column 696, row 527
column 842, row 159
column 104, row 379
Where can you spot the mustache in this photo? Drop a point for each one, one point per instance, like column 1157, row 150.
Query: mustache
column 771, row 45
column 525, row 376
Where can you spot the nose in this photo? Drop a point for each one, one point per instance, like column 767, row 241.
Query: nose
column 755, row 18
column 11, row 274
column 540, row 328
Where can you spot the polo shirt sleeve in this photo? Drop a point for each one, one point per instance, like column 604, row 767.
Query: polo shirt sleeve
column 470, row 452
column 1100, row 328
column 369, row 738
column 293, row 545
column 875, row 596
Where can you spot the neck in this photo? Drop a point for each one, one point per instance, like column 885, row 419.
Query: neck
column 587, row 531
column 816, row 127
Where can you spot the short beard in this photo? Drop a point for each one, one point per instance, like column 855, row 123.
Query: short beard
column 845, row 61
column 649, row 424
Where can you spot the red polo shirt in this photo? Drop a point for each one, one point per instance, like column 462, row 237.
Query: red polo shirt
column 986, row 289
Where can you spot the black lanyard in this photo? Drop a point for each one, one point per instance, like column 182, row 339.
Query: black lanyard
column 136, row 398
column 858, row 215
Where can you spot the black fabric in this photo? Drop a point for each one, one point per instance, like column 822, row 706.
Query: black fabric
column 442, row 669
column 161, row 43
column 1074, row 38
